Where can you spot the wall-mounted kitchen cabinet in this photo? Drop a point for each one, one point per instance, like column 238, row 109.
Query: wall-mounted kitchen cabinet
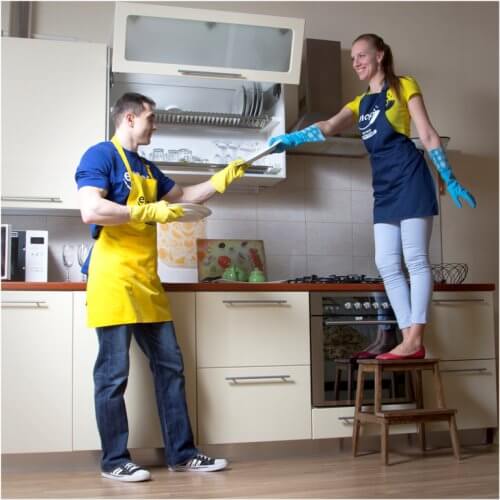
column 165, row 40
column 53, row 108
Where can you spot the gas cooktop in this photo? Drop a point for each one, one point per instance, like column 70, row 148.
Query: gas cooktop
column 334, row 278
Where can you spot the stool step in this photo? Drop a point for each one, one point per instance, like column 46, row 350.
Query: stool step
column 415, row 415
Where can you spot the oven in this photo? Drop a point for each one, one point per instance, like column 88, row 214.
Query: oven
column 342, row 324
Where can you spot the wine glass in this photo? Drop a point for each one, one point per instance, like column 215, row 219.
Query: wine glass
column 68, row 255
column 82, row 254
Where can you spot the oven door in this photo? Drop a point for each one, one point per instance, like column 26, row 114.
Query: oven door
column 334, row 340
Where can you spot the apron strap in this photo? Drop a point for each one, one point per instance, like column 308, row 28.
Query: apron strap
column 124, row 158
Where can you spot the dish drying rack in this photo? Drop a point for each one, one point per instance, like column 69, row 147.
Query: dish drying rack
column 210, row 119
column 178, row 167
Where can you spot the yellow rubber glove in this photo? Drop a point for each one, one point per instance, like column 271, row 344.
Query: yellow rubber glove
column 160, row 212
column 221, row 180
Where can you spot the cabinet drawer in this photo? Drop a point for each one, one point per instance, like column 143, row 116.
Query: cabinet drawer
column 461, row 326
column 337, row 422
column 250, row 329
column 470, row 388
column 238, row 405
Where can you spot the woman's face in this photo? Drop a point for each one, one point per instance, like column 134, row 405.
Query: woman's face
column 365, row 59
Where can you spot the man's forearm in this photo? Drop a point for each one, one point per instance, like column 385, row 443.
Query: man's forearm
column 197, row 193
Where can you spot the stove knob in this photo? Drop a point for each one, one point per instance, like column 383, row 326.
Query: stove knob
column 385, row 305
column 347, row 305
column 357, row 305
column 366, row 305
column 375, row 305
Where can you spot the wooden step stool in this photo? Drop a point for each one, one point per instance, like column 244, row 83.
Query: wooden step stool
column 418, row 415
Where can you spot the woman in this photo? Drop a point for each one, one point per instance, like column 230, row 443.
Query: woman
column 404, row 191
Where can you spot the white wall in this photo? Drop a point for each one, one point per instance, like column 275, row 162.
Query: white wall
column 450, row 47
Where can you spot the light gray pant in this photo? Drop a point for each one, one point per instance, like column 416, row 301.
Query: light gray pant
column 410, row 238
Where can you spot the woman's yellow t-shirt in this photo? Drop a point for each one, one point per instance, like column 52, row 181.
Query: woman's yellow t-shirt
column 396, row 110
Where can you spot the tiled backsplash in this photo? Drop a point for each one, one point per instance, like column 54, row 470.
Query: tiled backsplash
column 319, row 220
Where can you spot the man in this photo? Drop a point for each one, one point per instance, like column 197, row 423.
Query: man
column 123, row 196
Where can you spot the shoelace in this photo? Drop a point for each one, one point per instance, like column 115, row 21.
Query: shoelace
column 130, row 466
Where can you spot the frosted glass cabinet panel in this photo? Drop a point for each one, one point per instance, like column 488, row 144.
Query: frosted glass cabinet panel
column 193, row 42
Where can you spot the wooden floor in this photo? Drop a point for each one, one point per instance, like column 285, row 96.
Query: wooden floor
column 311, row 474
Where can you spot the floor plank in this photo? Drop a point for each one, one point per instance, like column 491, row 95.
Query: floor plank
column 318, row 474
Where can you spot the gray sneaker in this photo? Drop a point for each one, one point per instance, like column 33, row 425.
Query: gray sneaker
column 128, row 472
column 201, row 463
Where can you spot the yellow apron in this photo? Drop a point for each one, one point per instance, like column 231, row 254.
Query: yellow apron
column 123, row 285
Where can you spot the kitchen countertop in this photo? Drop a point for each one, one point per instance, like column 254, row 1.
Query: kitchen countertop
column 246, row 287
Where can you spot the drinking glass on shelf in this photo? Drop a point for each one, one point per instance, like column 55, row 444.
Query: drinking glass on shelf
column 157, row 154
column 68, row 255
column 82, row 254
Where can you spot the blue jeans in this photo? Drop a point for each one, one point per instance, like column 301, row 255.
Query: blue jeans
column 158, row 342
column 408, row 238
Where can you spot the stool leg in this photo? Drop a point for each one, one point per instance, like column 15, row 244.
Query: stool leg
column 349, row 382
column 357, row 411
column 454, row 437
column 419, row 398
column 338, row 375
column 384, row 436
column 378, row 389
column 439, row 386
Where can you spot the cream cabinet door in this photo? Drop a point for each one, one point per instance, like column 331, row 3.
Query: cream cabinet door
column 461, row 326
column 252, row 329
column 36, row 371
column 144, row 424
column 53, row 109
column 470, row 388
column 254, row 404
column 166, row 40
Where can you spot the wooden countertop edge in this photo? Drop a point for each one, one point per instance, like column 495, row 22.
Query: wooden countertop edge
column 245, row 287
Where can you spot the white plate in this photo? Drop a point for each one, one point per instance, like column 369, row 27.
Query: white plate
column 193, row 212
column 238, row 102
column 263, row 152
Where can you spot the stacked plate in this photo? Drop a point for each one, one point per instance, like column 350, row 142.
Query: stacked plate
column 193, row 212
column 248, row 100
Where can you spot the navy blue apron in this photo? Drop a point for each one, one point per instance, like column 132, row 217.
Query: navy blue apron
column 403, row 187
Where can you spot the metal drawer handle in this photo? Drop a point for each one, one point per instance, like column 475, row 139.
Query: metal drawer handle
column 361, row 322
column 347, row 420
column 458, row 370
column 209, row 73
column 36, row 303
column 48, row 199
column 255, row 302
column 259, row 377
column 458, row 300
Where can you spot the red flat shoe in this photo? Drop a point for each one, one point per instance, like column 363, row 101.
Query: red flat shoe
column 420, row 354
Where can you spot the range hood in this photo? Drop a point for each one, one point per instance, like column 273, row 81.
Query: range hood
column 320, row 97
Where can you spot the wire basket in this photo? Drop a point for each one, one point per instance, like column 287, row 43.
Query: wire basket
column 451, row 274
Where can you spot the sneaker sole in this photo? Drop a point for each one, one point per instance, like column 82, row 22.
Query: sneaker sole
column 127, row 479
column 209, row 468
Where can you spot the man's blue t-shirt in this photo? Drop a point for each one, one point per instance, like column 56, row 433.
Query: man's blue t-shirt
column 102, row 167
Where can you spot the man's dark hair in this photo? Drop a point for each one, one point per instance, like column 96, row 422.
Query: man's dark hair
column 130, row 101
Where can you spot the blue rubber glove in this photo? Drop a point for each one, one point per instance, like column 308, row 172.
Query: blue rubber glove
column 455, row 189
column 309, row 134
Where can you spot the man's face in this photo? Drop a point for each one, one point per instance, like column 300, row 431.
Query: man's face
column 143, row 125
